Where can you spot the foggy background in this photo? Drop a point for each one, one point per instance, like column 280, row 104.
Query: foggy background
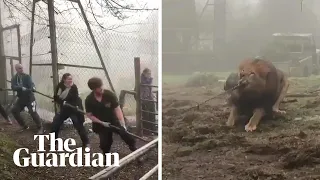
column 242, row 28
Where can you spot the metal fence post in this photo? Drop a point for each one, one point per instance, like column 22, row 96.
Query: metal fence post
column 3, row 65
column 19, row 44
column 138, row 99
column 53, row 41
column 12, row 73
column 96, row 46
column 31, row 36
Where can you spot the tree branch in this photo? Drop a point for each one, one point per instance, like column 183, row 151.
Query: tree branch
column 107, row 7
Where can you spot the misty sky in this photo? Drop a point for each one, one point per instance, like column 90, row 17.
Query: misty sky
column 72, row 17
column 240, row 8
column 139, row 23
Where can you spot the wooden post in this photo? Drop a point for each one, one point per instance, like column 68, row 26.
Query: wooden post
column 54, row 49
column 12, row 73
column 122, row 98
column 3, row 65
column 19, row 43
column 137, row 72
column 31, row 36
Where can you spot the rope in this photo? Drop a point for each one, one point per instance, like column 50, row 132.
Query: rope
column 212, row 98
column 198, row 107
column 82, row 112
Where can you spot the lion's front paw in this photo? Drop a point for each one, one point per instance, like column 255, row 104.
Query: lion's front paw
column 249, row 127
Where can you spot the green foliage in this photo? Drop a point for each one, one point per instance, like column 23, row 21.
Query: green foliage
column 7, row 148
column 202, row 79
column 175, row 79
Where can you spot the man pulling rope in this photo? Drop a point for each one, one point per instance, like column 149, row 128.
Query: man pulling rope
column 24, row 86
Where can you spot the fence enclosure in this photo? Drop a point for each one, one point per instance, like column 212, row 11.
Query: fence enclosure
column 50, row 51
column 77, row 55
column 12, row 56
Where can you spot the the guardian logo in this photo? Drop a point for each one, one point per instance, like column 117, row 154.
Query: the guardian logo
column 63, row 155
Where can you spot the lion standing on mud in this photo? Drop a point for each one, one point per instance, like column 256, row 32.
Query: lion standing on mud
column 261, row 89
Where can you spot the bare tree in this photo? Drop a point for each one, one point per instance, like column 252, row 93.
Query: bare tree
column 96, row 10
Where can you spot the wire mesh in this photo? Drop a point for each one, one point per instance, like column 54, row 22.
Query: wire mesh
column 75, row 47
column 10, row 36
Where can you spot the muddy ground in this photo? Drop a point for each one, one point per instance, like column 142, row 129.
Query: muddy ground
column 198, row 145
column 10, row 140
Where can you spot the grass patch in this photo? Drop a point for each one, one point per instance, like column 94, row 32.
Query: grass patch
column 7, row 148
column 202, row 79
column 175, row 79
column 183, row 79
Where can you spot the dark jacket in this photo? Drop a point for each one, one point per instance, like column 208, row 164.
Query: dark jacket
column 146, row 91
column 23, row 80
column 72, row 97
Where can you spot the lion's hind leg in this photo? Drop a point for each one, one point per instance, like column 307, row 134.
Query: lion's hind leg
column 233, row 116
column 283, row 91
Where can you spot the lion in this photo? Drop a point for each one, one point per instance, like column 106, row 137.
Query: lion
column 229, row 84
column 231, row 81
column 261, row 89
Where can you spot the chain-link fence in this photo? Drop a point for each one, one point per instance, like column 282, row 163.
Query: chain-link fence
column 75, row 48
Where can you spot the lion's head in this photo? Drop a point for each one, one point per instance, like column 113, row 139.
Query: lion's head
column 253, row 74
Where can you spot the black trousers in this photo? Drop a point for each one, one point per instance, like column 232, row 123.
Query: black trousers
column 32, row 109
column 106, row 138
column 77, row 120
column 4, row 113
